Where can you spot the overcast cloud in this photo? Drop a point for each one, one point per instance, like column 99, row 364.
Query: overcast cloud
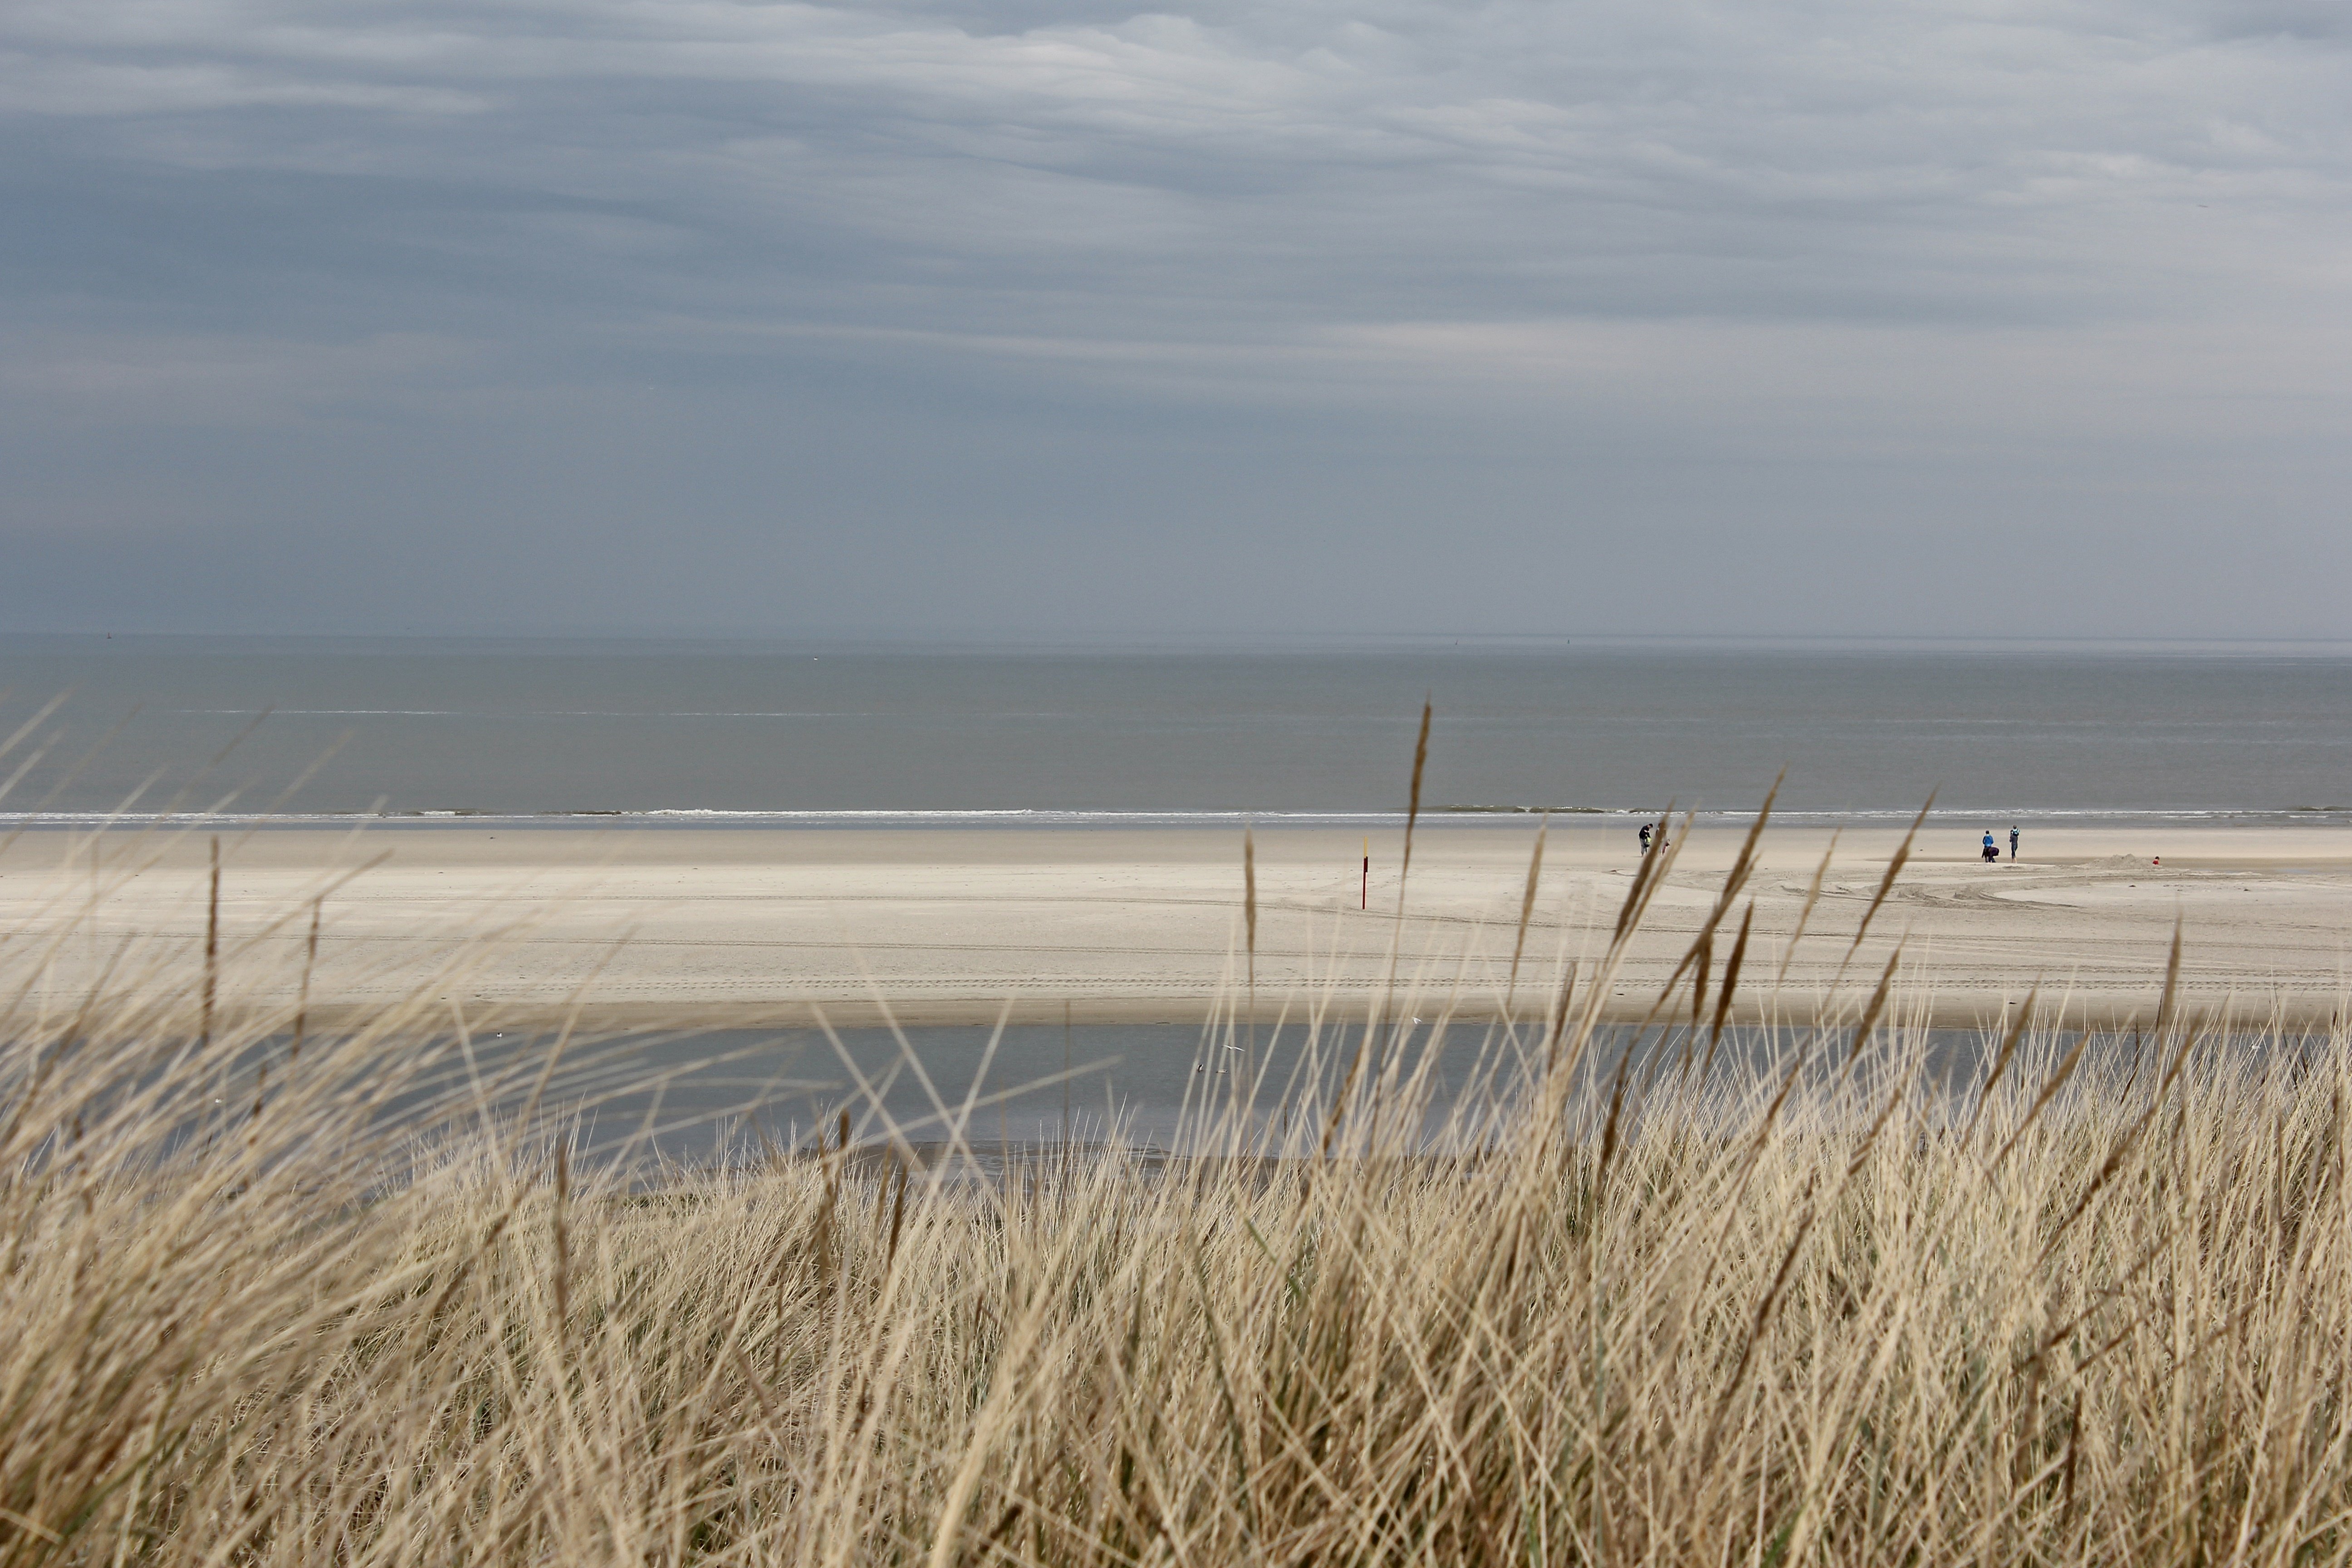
column 1675, row 315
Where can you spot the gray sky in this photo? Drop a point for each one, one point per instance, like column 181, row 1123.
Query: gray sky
column 1644, row 315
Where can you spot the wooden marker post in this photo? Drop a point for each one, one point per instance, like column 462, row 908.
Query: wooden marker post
column 1367, row 902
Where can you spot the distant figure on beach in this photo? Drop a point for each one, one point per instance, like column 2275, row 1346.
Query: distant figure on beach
column 1991, row 850
column 1645, row 838
column 2012, row 841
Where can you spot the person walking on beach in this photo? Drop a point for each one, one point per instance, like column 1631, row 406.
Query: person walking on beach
column 1991, row 850
column 1645, row 838
column 2012, row 841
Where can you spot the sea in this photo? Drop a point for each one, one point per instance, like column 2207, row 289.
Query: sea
column 821, row 734
column 811, row 736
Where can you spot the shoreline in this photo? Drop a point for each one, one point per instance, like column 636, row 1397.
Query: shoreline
column 722, row 927
column 1445, row 818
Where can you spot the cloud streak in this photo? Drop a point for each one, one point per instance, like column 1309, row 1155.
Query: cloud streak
column 1864, row 231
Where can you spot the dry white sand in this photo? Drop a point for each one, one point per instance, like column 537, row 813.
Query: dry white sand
column 758, row 925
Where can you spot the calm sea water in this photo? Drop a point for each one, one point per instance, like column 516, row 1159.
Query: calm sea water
column 732, row 1094
column 772, row 732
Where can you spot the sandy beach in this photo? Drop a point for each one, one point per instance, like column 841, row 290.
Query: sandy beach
column 676, row 926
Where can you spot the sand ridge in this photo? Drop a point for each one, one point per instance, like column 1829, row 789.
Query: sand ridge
column 760, row 924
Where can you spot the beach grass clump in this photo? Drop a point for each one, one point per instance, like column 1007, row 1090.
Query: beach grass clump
column 374, row 1303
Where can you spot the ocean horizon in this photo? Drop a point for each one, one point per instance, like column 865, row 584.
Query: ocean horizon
column 840, row 733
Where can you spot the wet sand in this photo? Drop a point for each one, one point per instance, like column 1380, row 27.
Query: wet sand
column 755, row 926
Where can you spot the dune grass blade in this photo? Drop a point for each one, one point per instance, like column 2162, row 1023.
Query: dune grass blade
column 1895, row 865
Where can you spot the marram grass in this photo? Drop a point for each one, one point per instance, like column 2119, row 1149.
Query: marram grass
column 1801, row 1309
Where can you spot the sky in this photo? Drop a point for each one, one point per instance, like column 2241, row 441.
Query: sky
column 1280, row 318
